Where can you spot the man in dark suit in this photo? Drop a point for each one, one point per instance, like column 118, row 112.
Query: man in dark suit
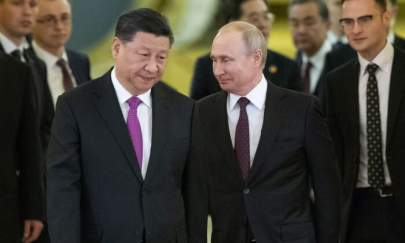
column 119, row 145
column 278, row 69
column 254, row 147
column 65, row 68
column 16, row 22
column 365, row 106
column 309, row 22
column 21, row 192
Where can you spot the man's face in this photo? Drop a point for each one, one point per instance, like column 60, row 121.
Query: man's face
column 17, row 18
column 257, row 13
column 234, row 66
column 307, row 27
column 140, row 63
column 365, row 25
column 53, row 24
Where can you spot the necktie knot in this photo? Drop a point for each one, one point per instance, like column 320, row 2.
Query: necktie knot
column 133, row 102
column 243, row 102
column 371, row 68
column 61, row 63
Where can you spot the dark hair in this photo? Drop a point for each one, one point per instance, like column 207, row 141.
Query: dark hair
column 231, row 9
column 323, row 9
column 142, row 20
column 381, row 3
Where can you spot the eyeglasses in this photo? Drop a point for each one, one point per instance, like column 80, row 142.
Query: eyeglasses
column 52, row 20
column 362, row 21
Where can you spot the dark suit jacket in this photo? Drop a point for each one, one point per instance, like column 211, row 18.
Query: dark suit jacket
column 21, row 194
column 294, row 145
column 278, row 69
column 80, row 65
column 95, row 189
column 342, row 105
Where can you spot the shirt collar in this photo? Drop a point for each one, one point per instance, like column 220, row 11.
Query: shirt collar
column 123, row 95
column 319, row 57
column 9, row 46
column 257, row 96
column 49, row 58
column 383, row 59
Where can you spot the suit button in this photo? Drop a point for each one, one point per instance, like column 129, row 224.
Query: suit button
column 246, row 191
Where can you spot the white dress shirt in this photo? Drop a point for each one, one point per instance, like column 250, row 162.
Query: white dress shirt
column 384, row 61
column 318, row 62
column 144, row 114
column 54, row 72
column 255, row 112
column 9, row 46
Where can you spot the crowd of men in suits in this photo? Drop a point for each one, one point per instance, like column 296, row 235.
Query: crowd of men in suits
column 272, row 149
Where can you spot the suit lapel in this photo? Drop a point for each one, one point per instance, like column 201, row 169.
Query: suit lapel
column 273, row 116
column 160, row 129
column 219, row 129
column 109, row 109
column 397, row 89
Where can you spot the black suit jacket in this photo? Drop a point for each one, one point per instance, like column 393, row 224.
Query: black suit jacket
column 42, row 107
column 342, row 105
column 80, row 65
column 95, row 189
column 278, row 69
column 294, row 145
column 21, row 191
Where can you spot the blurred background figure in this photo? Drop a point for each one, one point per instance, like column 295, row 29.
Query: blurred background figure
column 278, row 69
column 65, row 68
column 309, row 23
column 392, row 5
column 16, row 21
column 335, row 34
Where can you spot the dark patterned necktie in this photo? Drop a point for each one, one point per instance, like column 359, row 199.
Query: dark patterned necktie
column 306, row 77
column 242, row 138
column 376, row 177
column 67, row 80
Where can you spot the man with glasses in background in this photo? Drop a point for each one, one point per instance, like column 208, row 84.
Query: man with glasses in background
column 366, row 113
column 279, row 69
column 65, row 68
column 309, row 23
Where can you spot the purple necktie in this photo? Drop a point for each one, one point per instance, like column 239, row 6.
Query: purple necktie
column 134, row 128
column 242, row 138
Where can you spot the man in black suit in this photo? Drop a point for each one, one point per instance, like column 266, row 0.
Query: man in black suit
column 309, row 22
column 16, row 22
column 119, row 145
column 278, row 69
column 65, row 68
column 254, row 147
column 366, row 113
column 21, row 192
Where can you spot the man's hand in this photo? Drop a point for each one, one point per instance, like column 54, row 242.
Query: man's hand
column 32, row 230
